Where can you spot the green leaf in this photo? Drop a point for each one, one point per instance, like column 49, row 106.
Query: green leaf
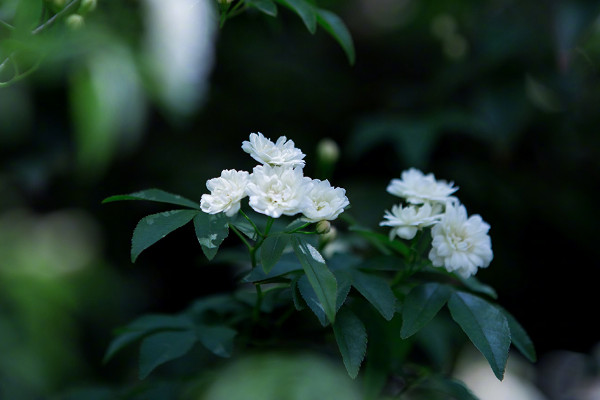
column 211, row 230
column 245, row 227
column 264, row 6
column 336, row 28
column 381, row 240
column 161, row 347
column 286, row 264
column 422, row 304
column 154, row 227
column 311, row 299
column 485, row 325
column 351, row 337
column 475, row 285
column 144, row 326
column 377, row 291
column 519, row 337
column 305, row 10
column 217, row 339
column 154, row 195
column 272, row 249
column 321, row 279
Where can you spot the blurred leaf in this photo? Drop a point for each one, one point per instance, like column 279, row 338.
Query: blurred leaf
column 377, row 291
column 211, row 230
column 320, row 278
column 441, row 388
column 143, row 326
column 351, row 337
column 519, row 337
column 161, row 347
column 154, row 227
column 336, row 28
column 541, row 95
column 217, row 339
column 272, row 249
column 265, row 6
column 286, row 264
column 422, row 304
column 305, row 10
column 485, row 325
column 157, row 195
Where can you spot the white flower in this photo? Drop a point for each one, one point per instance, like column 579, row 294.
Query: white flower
column 323, row 202
column 275, row 191
column 281, row 153
column 406, row 221
column 226, row 192
column 417, row 188
column 460, row 244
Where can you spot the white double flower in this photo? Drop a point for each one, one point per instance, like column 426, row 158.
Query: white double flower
column 277, row 187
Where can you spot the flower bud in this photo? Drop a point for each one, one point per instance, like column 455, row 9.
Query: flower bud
column 74, row 22
column 323, row 227
column 86, row 6
column 328, row 151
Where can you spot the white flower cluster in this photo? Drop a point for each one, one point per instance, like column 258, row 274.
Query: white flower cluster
column 460, row 243
column 276, row 187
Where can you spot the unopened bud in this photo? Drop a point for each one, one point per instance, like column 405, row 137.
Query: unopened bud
column 328, row 151
column 74, row 22
column 323, row 227
column 86, row 6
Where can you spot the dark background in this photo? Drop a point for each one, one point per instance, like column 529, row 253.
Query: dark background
column 503, row 100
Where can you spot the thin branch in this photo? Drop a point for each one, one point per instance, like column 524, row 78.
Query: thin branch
column 7, row 25
column 72, row 6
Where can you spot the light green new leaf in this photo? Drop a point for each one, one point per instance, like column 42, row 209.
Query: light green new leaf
column 351, row 337
column 485, row 325
column 519, row 337
column 377, row 291
column 211, row 230
column 264, row 6
column 157, row 195
column 143, row 326
column 154, row 227
column 161, row 347
column 336, row 28
column 305, row 10
column 320, row 278
column 272, row 249
column 217, row 339
column 422, row 304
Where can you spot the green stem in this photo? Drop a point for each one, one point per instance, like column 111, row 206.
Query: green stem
column 241, row 236
column 72, row 6
column 297, row 230
column 258, row 232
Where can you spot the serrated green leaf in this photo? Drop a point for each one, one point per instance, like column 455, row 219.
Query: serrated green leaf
column 336, row 28
column 519, row 337
column 156, row 195
column 485, row 325
column 211, row 230
column 154, row 227
column 321, row 279
column 143, row 326
column 351, row 337
column 272, row 249
column 217, row 339
column 161, row 347
column 264, row 6
column 311, row 299
column 286, row 264
column 377, row 291
column 422, row 304
column 305, row 10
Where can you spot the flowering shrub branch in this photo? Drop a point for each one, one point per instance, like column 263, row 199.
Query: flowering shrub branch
column 426, row 262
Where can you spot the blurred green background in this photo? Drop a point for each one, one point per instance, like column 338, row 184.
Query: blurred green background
column 499, row 96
